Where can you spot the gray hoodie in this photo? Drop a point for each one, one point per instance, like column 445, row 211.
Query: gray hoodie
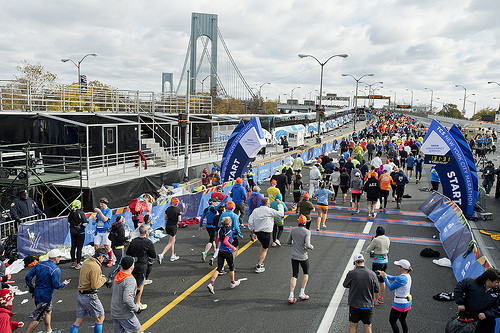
column 301, row 238
column 122, row 299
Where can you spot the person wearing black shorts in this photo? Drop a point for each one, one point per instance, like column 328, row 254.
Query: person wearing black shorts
column 363, row 289
column 172, row 218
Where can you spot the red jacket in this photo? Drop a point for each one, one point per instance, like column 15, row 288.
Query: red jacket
column 6, row 325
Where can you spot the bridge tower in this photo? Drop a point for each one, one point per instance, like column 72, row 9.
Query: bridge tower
column 203, row 25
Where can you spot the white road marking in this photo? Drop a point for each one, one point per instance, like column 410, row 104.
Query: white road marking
column 326, row 322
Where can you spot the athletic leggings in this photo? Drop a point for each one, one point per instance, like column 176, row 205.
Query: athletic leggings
column 335, row 191
column 383, row 195
column 418, row 174
column 77, row 240
column 400, row 190
column 277, row 231
column 393, row 319
column 295, row 267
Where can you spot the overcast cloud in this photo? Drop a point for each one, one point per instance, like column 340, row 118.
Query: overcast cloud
column 406, row 44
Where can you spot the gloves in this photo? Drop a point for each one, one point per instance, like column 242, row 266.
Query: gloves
column 108, row 283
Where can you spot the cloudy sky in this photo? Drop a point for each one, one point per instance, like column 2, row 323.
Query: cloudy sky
column 409, row 45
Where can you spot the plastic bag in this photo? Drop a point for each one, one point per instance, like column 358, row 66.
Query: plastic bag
column 461, row 325
column 377, row 204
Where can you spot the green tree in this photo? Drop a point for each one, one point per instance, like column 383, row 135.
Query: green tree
column 488, row 111
column 450, row 111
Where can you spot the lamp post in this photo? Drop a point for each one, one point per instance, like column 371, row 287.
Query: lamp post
column 260, row 95
column 411, row 103
column 469, row 95
column 291, row 98
column 432, row 95
column 356, row 96
column 78, row 64
column 370, row 92
column 322, row 64
column 203, row 81
column 465, row 96
column 490, row 82
column 311, row 92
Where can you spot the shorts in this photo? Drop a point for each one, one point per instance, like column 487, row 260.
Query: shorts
column 379, row 267
column 322, row 208
column 365, row 315
column 409, row 168
column 139, row 277
column 295, row 267
column 171, row 230
column 88, row 306
column 264, row 238
column 101, row 238
column 355, row 197
column 212, row 234
column 235, row 242
column 344, row 189
column 373, row 200
column 127, row 325
column 41, row 310
column 225, row 256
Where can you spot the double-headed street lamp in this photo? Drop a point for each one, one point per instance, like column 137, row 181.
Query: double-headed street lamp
column 315, row 90
column 78, row 64
column 322, row 64
column 465, row 96
column 490, row 82
column 356, row 97
column 370, row 91
column 411, row 103
column 291, row 98
column 432, row 95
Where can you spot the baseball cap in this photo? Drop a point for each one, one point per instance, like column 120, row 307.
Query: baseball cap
column 55, row 253
column 230, row 205
column 127, row 262
column 403, row 263
column 239, row 180
column 302, row 219
column 358, row 257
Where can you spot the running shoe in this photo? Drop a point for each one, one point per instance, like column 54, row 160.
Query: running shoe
column 304, row 297
column 317, row 229
column 160, row 258
column 374, row 214
column 274, row 244
column 146, row 282
column 203, row 256
column 357, row 212
column 210, row 288
column 323, row 226
column 260, row 269
column 278, row 242
column 142, row 307
column 223, row 272
column 393, row 199
column 292, row 300
column 174, row 257
column 73, row 264
column 211, row 262
column 235, row 284
column 78, row 266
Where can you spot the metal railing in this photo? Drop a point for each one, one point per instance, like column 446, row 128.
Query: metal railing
column 18, row 95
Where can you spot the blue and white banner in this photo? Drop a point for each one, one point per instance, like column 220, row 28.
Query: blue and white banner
column 441, row 149
column 241, row 149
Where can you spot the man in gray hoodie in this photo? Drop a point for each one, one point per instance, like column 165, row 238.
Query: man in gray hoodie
column 123, row 307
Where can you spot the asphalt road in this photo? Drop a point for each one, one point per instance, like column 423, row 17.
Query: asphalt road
column 178, row 300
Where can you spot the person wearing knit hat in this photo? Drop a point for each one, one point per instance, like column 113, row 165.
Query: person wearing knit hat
column 239, row 196
column 305, row 207
column 272, row 190
column 300, row 237
column 172, row 219
column 379, row 252
column 7, row 325
column 47, row 276
column 77, row 224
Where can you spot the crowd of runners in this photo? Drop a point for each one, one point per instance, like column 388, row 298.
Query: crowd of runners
column 376, row 163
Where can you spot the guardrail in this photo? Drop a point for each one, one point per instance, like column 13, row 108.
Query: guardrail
column 17, row 95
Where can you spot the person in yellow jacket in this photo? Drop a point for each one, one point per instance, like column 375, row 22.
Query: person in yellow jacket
column 272, row 190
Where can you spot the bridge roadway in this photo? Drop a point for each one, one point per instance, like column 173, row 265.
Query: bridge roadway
column 178, row 300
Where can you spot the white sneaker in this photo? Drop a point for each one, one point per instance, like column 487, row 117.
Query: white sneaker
column 160, row 258
column 174, row 257
column 210, row 288
column 142, row 306
column 278, row 242
column 146, row 282
column 374, row 214
column 235, row 284
column 260, row 269
column 304, row 297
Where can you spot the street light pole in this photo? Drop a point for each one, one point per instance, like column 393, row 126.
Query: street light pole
column 411, row 103
column 356, row 97
column 322, row 64
column 260, row 95
column 465, row 96
column 78, row 80
column 370, row 91
column 394, row 104
column 432, row 94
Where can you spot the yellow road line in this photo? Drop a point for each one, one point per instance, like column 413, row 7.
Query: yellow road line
column 185, row 294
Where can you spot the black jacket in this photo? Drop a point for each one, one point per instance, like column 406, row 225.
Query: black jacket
column 372, row 188
column 476, row 299
column 23, row 208
column 142, row 248
column 77, row 220
column 117, row 235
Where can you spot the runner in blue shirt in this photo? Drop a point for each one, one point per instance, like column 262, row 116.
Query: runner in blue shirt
column 410, row 163
column 209, row 213
column 419, row 161
column 322, row 194
column 103, row 224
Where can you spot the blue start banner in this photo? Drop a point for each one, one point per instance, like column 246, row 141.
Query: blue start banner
column 241, row 149
column 441, row 150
